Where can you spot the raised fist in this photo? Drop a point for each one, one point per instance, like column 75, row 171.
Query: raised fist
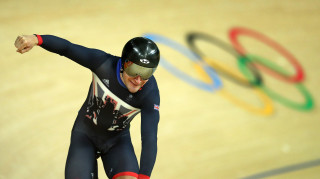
column 24, row 43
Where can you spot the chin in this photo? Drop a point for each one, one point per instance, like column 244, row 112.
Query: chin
column 133, row 89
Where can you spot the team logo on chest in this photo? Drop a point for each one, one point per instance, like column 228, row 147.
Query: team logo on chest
column 107, row 110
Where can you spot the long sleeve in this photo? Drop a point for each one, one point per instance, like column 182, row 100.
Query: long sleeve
column 87, row 57
column 149, row 128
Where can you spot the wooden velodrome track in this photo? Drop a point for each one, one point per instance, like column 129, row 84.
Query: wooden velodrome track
column 202, row 134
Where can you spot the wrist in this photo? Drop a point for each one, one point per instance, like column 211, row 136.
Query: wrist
column 38, row 39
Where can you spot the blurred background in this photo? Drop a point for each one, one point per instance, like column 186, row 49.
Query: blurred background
column 214, row 123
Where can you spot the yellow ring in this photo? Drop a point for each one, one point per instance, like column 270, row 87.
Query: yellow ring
column 266, row 109
column 234, row 73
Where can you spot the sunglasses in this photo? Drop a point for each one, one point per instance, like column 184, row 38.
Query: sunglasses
column 134, row 70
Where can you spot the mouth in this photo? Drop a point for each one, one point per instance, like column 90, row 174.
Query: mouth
column 134, row 83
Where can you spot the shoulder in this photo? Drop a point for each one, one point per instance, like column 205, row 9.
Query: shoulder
column 102, row 54
column 104, row 60
column 151, row 86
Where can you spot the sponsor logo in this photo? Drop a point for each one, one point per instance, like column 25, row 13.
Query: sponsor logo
column 145, row 61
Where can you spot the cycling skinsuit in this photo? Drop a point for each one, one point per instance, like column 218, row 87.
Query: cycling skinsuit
column 103, row 122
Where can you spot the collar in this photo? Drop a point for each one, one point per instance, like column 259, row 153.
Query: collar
column 119, row 66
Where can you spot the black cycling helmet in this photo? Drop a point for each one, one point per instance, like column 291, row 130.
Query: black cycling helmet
column 140, row 57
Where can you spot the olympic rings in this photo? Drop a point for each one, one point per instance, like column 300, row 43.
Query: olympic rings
column 250, row 76
column 271, row 68
column 215, row 82
column 244, row 62
column 232, row 73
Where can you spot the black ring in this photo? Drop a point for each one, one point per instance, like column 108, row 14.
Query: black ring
column 193, row 36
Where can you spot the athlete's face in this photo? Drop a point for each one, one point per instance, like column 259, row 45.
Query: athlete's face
column 132, row 83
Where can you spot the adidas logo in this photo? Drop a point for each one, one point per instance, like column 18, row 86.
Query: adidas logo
column 106, row 82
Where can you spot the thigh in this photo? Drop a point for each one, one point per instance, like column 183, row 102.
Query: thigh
column 81, row 161
column 120, row 159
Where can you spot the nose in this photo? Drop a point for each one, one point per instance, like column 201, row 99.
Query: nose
column 138, row 79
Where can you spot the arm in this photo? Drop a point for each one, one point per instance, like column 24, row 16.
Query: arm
column 79, row 54
column 149, row 129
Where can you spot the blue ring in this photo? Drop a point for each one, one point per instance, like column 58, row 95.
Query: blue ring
column 216, row 82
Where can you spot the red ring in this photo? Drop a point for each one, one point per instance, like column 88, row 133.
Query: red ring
column 234, row 34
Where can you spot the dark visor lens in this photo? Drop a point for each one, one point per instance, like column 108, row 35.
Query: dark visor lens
column 135, row 70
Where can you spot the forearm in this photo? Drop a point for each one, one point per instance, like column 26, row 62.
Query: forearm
column 54, row 44
column 87, row 57
column 149, row 131
column 148, row 155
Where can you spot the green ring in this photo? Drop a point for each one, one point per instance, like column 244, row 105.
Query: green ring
column 307, row 105
column 268, row 63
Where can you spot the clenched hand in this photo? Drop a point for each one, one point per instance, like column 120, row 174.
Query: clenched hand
column 25, row 43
